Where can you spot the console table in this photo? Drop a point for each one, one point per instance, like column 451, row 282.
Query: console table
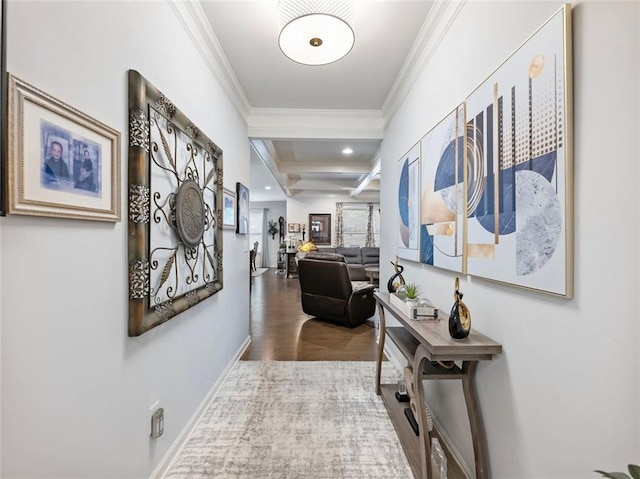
column 423, row 344
column 292, row 266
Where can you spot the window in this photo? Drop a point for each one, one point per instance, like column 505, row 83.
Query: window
column 354, row 229
column 255, row 228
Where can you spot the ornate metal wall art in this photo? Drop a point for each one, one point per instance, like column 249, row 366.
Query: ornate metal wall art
column 175, row 210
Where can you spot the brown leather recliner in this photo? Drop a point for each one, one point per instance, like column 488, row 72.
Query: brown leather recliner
column 327, row 291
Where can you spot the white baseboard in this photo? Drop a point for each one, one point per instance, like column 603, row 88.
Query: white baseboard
column 399, row 361
column 178, row 445
column 452, row 448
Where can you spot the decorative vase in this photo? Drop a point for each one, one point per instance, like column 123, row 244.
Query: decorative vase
column 460, row 318
column 391, row 285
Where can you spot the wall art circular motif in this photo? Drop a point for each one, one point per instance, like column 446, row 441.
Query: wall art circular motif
column 190, row 213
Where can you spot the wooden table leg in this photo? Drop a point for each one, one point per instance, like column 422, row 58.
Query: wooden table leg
column 475, row 419
column 419, row 361
column 381, row 336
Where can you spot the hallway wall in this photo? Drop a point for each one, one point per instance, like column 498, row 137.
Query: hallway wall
column 76, row 391
column 562, row 399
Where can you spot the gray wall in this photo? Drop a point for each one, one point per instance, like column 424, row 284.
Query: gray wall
column 76, row 391
column 562, row 399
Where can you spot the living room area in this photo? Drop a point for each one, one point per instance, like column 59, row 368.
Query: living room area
column 308, row 224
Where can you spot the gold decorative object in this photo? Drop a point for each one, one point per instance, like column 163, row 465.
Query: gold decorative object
column 460, row 317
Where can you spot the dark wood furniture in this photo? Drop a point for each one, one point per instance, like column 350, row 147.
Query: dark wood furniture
column 423, row 344
column 282, row 261
column 292, row 266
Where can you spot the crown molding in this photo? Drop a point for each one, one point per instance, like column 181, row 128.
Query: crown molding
column 194, row 20
column 439, row 19
column 267, row 154
column 293, row 123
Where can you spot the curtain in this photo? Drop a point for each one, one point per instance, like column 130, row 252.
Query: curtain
column 339, row 225
column 370, row 241
column 264, row 262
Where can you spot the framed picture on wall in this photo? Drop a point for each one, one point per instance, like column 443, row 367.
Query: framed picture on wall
column 62, row 162
column 442, row 204
column 294, row 227
column 520, row 150
column 175, row 210
column 228, row 209
column 409, row 204
column 320, row 228
column 242, row 195
column 3, row 105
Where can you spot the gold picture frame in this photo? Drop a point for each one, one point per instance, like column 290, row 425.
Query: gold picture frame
column 61, row 161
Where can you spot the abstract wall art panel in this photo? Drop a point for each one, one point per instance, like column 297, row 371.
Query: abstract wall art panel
column 408, row 204
column 442, row 205
column 520, row 166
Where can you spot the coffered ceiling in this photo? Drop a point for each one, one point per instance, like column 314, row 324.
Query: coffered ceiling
column 302, row 117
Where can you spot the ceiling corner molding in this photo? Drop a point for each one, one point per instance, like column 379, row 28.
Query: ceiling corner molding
column 194, row 20
column 294, row 123
column 439, row 19
column 267, row 154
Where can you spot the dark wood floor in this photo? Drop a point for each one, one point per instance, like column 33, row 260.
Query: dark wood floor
column 281, row 331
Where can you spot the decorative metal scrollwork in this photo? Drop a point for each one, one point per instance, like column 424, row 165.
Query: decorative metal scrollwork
column 139, row 203
column 138, row 279
column 138, row 129
column 165, row 311
column 185, row 212
column 176, row 258
column 164, row 106
column 192, row 130
column 192, row 298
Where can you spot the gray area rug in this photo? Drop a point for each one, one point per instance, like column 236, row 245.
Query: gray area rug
column 295, row 419
column 259, row 271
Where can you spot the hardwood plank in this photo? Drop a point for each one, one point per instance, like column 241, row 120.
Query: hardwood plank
column 281, row 331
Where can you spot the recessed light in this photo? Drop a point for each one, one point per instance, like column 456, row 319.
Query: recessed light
column 267, row 187
column 347, row 151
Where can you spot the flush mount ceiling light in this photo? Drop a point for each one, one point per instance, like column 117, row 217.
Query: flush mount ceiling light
column 347, row 151
column 315, row 32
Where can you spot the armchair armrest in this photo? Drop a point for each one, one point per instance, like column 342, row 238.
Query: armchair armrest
column 360, row 287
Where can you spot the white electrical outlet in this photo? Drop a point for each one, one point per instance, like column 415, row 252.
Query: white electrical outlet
column 156, row 420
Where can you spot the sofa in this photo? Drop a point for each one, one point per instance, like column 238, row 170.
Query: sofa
column 357, row 259
column 328, row 293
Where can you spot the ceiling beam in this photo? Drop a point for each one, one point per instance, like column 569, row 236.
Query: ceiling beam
column 344, row 185
column 373, row 173
column 298, row 123
column 291, row 167
column 267, row 154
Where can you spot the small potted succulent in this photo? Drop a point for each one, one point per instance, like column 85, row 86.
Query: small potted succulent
column 411, row 291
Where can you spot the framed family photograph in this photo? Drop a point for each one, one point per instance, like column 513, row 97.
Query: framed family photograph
column 61, row 162
column 294, row 227
column 228, row 209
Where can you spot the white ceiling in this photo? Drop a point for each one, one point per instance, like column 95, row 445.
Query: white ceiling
column 247, row 31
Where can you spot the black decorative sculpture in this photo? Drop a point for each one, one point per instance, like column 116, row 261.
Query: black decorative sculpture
column 460, row 318
column 391, row 286
column 281, row 229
